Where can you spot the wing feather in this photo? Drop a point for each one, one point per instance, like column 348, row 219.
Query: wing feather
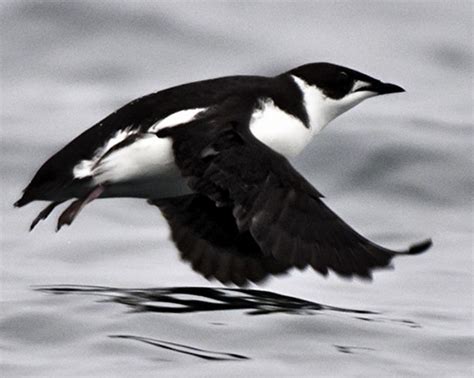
column 272, row 204
column 208, row 238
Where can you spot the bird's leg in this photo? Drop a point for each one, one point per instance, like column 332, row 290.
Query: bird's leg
column 44, row 213
column 74, row 208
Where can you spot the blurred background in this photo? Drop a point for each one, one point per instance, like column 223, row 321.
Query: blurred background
column 398, row 168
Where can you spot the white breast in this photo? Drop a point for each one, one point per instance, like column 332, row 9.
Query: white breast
column 279, row 130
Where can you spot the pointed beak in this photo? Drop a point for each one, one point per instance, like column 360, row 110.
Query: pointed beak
column 384, row 88
column 377, row 87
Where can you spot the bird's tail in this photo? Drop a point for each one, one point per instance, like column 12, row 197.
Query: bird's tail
column 416, row 249
column 24, row 200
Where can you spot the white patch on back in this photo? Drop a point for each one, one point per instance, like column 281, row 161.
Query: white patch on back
column 143, row 169
column 148, row 156
column 84, row 167
column 142, row 158
column 279, row 130
column 174, row 119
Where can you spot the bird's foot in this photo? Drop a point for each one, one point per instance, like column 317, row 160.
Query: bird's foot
column 68, row 215
column 44, row 213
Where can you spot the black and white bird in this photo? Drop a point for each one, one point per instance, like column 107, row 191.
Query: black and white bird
column 212, row 155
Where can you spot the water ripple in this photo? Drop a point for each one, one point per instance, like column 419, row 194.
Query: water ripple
column 185, row 349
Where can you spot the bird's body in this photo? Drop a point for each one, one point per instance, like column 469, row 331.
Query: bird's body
column 212, row 155
column 123, row 149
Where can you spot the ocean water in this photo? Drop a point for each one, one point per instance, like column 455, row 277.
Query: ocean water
column 109, row 296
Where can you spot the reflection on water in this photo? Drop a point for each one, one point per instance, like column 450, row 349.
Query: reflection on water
column 184, row 300
column 184, row 349
column 351, row 349
column 199, row 299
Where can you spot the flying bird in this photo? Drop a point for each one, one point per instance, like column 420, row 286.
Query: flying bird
column 212, row 155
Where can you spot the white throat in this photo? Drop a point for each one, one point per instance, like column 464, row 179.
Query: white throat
column 322, row 109
column 286, row 133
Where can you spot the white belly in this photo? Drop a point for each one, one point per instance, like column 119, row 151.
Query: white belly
column 144, row 168
column 146, row 157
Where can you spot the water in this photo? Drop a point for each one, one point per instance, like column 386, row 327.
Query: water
column 109, row 296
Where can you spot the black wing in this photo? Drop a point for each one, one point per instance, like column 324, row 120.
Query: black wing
column 269, row 200
column 208, row 237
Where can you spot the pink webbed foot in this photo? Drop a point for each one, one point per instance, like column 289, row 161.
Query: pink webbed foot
column 71, row 212
column 44, row 213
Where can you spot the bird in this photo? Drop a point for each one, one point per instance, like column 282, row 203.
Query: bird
column 213, row 156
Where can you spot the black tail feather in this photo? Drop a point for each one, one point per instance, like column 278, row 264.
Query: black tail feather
column 24, row 200
column 420, row 247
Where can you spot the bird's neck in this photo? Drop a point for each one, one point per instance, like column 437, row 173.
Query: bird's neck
column 318, row 106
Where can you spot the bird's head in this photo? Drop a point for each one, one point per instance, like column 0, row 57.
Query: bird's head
column 329, row 90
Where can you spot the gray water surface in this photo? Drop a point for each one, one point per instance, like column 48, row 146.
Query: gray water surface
column 108, row 296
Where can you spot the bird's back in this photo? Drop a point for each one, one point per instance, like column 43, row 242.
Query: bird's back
column 140, row 114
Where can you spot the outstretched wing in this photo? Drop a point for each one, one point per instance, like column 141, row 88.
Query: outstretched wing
column 208, row 237
column 269, row 199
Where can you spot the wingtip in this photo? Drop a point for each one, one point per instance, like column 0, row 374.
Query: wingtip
column 421, row 247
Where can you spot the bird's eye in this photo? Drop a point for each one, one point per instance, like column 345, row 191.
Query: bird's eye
column 343, row 76
column 338, row 84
